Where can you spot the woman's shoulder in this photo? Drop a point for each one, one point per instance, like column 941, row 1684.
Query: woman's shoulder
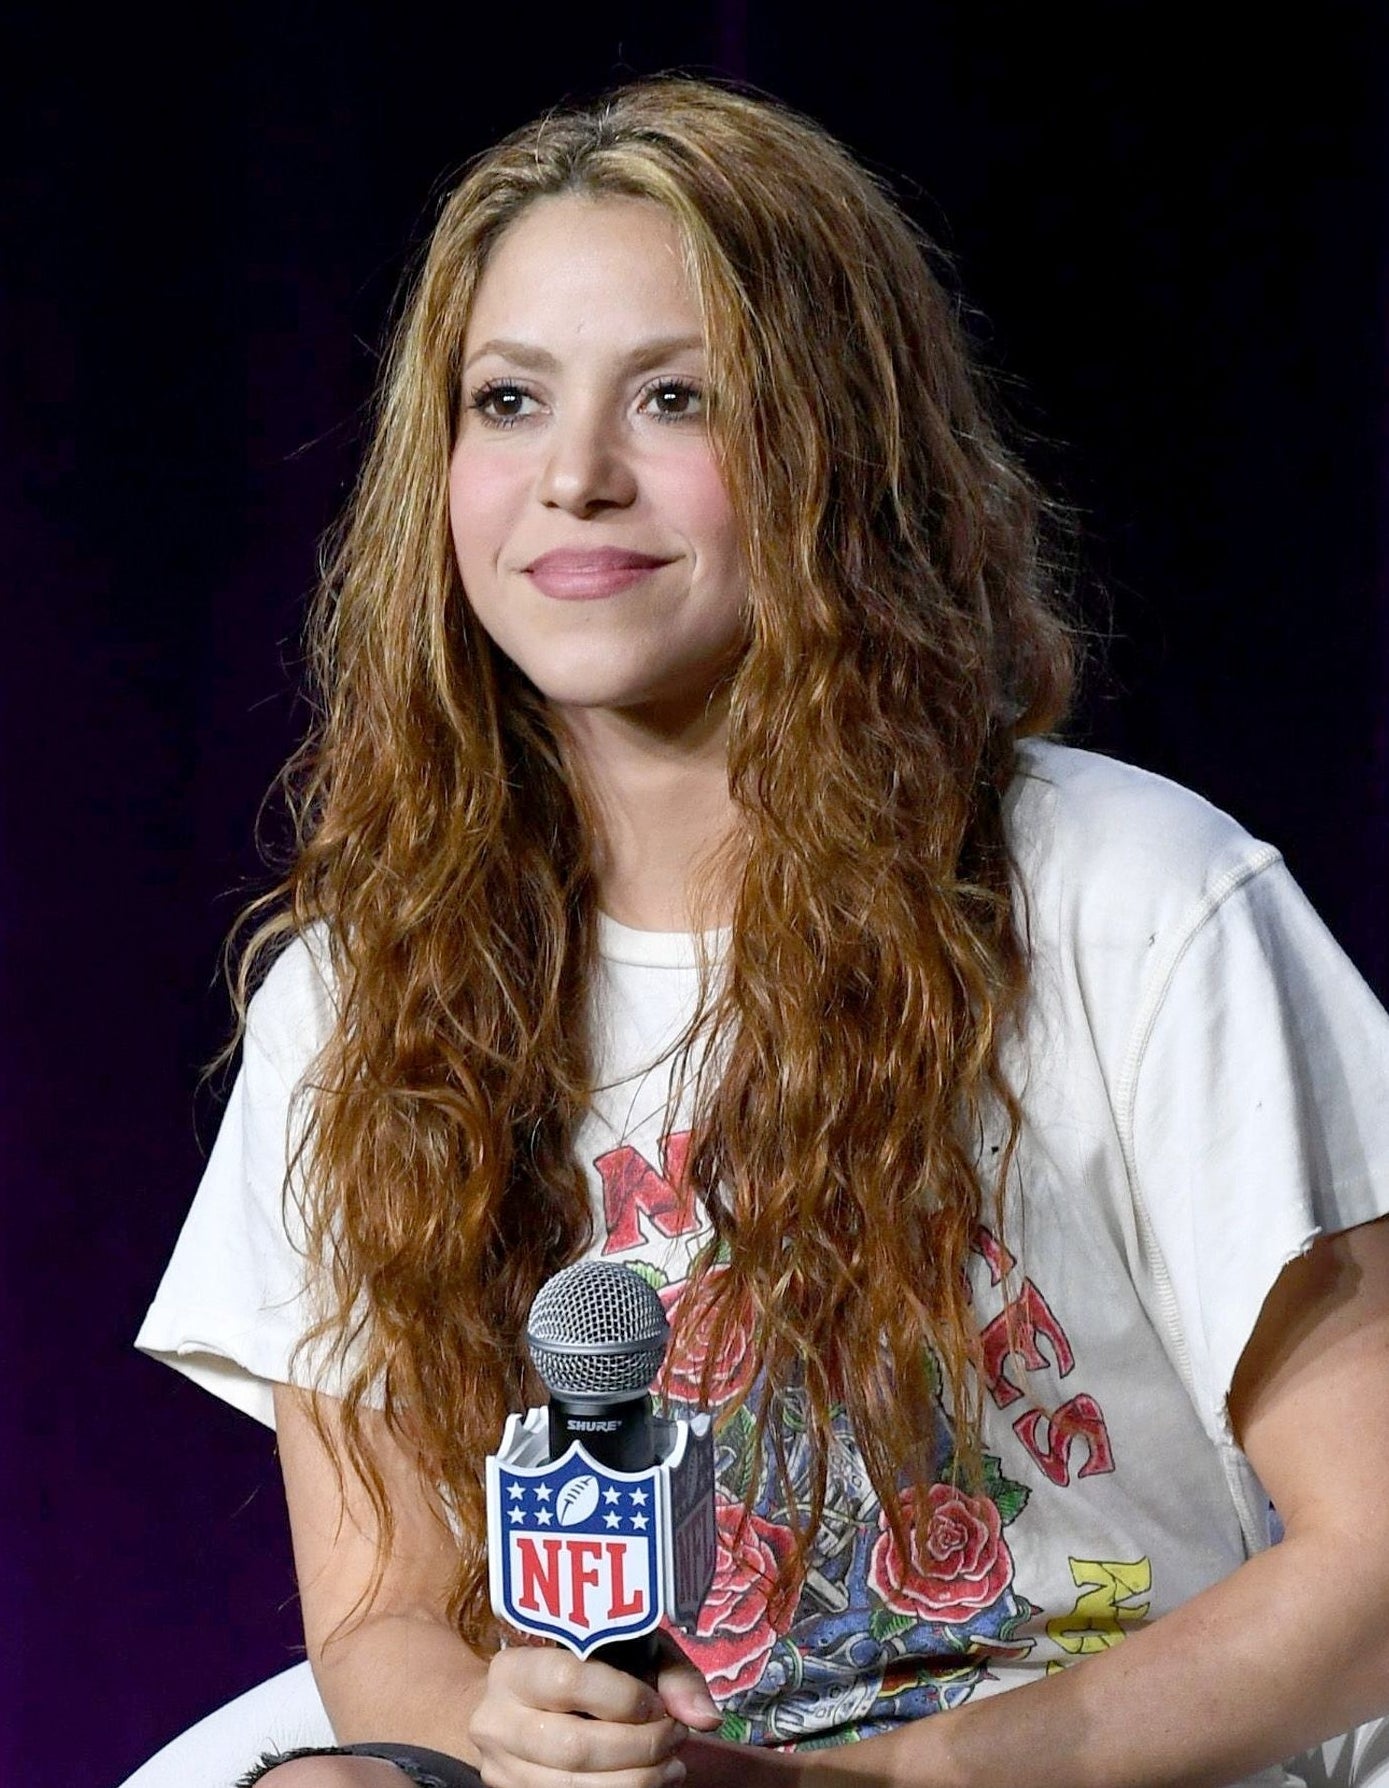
column 291, row 1014
column 1089, row 831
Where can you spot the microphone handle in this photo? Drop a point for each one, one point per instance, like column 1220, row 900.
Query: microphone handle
column 620, row 1436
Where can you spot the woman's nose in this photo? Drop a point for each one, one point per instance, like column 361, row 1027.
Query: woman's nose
column 586, row 467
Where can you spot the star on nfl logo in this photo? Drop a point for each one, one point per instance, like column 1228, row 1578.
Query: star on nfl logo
column 580, row 1553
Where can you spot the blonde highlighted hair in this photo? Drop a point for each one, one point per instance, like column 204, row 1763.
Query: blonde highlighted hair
column 903, row 633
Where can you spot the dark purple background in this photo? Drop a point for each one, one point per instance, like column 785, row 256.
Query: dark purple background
column 1180, row 245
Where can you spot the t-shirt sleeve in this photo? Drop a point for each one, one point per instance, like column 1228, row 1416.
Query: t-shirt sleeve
column 1259, row 1111
column 233, row 1301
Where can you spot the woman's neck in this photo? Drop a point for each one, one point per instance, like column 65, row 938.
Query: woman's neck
column 660, row 795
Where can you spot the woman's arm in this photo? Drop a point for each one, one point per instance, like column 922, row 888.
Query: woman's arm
column 399, row 1672
column 1292, row 1648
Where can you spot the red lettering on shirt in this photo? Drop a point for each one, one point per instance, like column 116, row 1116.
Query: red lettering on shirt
column 1014, row 1333
column 987, row 1245
column 1050, row 1438
column 632, row 1189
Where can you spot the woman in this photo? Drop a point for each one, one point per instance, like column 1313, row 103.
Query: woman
column 684, row 880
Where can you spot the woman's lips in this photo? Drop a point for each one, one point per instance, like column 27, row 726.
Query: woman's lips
column 571, row 576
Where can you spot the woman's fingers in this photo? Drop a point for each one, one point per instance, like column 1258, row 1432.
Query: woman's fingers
column 555, row 1750
column 550, row 1720
column 580, row 1745
column 544, row 1676
column 683, row 1690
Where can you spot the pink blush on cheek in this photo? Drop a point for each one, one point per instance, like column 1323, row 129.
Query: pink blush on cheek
column 485, row 498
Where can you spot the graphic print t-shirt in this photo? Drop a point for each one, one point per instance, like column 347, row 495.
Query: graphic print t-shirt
column 1202, row 1076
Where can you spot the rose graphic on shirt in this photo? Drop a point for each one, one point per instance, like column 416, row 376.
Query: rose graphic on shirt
column 736, row 1632
column 865, row 1634
column 959, row 1563
column 875, row 1637
column 690, row 1311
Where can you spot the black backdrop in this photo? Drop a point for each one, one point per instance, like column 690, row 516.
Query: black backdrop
column 1175, row 225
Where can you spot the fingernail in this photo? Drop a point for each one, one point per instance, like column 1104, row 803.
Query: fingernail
column 678, row 1733
column 674, row 1771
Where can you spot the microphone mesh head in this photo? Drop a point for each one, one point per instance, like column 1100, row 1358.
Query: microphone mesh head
column 597, row 1331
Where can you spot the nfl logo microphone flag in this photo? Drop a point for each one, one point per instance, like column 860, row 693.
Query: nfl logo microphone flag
column 586, row 1555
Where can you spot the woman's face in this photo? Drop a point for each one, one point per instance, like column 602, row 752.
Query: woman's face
column 593, row 533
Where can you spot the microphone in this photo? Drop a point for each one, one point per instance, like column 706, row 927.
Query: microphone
column 597, row 1335
column 600, row 1513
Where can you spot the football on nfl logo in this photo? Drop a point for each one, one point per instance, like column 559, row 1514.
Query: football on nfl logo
column 585, row 1555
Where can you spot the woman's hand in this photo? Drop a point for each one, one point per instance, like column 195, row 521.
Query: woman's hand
column 546, row 1718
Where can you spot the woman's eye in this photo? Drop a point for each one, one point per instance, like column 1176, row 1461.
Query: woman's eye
column 500, row 404
column 672, row 400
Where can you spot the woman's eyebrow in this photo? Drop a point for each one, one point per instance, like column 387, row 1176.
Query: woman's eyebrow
column 538, row 359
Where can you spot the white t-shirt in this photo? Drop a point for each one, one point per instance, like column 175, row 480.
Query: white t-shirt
column 1204, row 1079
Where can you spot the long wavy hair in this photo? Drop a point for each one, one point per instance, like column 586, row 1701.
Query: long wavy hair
column 903, row 631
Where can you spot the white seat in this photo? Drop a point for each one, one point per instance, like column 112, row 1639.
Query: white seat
column 278, row 1715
